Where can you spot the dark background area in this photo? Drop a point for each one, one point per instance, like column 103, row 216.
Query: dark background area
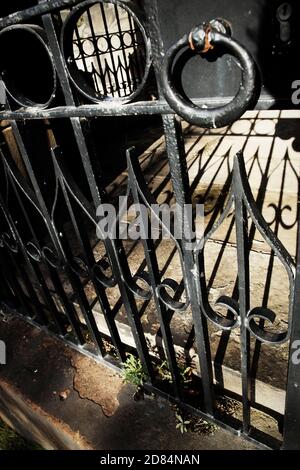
column 255, row 24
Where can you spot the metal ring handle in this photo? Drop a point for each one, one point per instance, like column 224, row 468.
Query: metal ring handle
column 202, row 39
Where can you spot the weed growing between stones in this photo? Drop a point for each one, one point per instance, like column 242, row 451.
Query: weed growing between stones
column 186, row 422
column 10, row 440
column 133, row 371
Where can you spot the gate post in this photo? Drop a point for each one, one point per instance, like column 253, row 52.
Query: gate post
column 291, row 434
column 180, row 180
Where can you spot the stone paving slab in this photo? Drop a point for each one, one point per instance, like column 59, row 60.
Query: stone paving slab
column 98, row 411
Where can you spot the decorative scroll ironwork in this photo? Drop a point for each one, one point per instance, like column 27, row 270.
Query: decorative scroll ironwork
column 241, row 192
column 242, row 315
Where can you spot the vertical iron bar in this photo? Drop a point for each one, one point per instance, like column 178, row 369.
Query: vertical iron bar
column 15, row 258
column 34, row 268
column 81, row 50
column 126, row 65
column 241, row 222
column 291, row 432
column 115, row 250
column 135, row 50
column 155, row 279
column 57, row 317
column 180, row 181
column 88, row 253
column 108, row 73
column 6, row 290
column 95, row 43
column 95, row 78
column 11, row 273
column 76, row 285
column 67, row 305
column 122, row 84
column 102, row 9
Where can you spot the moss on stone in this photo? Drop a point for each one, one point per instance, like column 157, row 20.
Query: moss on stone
column 10, row 440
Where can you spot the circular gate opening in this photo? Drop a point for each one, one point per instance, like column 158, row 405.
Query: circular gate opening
column 106, row 50
column 26, row 65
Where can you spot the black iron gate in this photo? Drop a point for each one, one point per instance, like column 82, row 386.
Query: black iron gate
column 48, row 215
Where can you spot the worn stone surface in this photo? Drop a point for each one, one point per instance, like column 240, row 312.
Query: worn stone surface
column 29, row 401
column 89, row 384
column 34, row 424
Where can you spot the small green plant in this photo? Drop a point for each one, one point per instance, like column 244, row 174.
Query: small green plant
column 133, row 372
column 201, row 426
column 109, row 348
column 181, row 423
column 164, row 372
column 191, row 423
column 227, row 405
column 185, row 373
column 10, row 440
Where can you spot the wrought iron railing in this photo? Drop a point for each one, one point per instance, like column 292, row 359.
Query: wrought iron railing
column 47, row 264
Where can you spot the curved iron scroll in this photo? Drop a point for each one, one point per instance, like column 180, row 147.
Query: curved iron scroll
column 241, row 197
column 167, row 289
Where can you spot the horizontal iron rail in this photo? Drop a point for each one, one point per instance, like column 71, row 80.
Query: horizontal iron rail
column 107, row 109
column 41, row 9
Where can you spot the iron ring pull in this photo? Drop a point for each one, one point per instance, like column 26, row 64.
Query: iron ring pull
column 201, row 39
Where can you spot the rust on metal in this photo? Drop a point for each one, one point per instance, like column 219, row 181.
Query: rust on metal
column 207, row 46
